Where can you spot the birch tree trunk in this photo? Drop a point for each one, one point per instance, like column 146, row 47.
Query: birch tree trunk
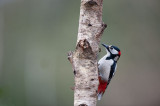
column 84, row 58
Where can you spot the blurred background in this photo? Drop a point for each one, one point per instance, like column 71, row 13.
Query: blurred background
column 35, row 36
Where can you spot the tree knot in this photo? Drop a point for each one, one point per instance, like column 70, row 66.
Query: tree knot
column 84, row 44
column 84, row 49
column 70, row 56
column 104, row 25
column 90, row 3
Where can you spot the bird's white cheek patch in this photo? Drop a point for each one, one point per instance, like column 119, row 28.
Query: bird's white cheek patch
column 114, row 51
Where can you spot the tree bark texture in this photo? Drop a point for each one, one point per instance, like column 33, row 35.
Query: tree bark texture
column 84, row 58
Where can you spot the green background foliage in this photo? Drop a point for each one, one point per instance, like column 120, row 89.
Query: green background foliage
column 35, row 36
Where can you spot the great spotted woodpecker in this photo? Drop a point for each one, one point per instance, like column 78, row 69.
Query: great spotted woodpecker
column 107, row 68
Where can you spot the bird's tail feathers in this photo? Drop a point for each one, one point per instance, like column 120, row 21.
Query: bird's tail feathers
column 99, row 95
column 101, row 88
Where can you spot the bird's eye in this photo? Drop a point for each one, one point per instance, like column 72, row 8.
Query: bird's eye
column 111, row 48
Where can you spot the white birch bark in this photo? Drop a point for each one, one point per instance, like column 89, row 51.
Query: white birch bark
column 84, row 58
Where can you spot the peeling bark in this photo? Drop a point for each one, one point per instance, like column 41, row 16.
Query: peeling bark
column 84, row 58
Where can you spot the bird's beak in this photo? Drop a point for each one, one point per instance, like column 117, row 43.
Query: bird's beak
column 106, row 46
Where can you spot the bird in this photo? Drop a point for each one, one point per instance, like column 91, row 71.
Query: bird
column 107, row 67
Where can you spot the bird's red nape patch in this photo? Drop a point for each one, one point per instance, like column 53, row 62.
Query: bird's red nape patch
column 102, row 85
column 119, row 53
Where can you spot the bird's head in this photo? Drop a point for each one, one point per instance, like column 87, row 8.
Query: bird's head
column 113, row 52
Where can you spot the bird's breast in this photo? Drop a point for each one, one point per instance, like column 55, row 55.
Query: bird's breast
column 104, row 68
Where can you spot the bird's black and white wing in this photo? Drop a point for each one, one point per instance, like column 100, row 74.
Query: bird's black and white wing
column 112, row 71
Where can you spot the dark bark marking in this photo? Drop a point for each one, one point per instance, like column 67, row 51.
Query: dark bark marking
column 82, row 105
column 74, row 72
column 92, row 79
column 90, row 3
column 89, row 24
